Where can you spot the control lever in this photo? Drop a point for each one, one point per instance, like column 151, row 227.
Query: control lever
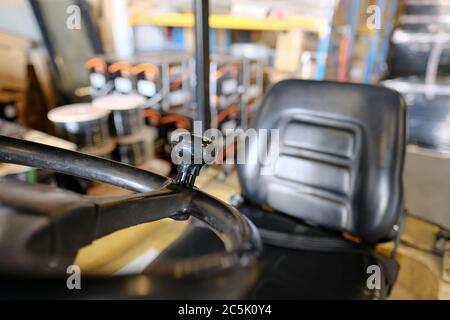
column 191, row 152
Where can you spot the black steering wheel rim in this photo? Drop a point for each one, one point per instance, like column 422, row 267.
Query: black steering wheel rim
column 240, row 237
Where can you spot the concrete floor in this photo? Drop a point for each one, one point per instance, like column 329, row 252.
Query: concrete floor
column 421, row 271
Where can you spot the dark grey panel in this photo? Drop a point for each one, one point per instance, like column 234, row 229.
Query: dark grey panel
column 313, row 173
column 320, row 138
column 307, row 206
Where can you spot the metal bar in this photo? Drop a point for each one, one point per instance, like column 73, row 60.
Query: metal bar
column 92, row 33
column 39, row 15
column 178, row 38
column 353, row 24
column 201, row 9
column 387, row 37
column 419, row 37
column 213, row 43
column 322, row 55
column 374, row 44
column 423, row 19
column 432, row 68
column 324, row 44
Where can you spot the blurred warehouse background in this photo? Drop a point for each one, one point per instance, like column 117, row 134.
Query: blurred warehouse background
column 79, row 53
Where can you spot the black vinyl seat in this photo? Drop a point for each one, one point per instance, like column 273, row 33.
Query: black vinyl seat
column 337, row 168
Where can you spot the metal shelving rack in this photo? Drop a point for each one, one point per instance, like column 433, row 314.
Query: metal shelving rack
column 379, row 39
column 321, row 26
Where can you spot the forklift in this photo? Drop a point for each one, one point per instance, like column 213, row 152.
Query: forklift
column 306, row 231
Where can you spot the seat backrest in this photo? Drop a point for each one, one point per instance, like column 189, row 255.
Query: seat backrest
column 340, row 158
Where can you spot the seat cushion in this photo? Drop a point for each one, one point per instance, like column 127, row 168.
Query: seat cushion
column 297, row 274
column 294, row 274
column 288, row 273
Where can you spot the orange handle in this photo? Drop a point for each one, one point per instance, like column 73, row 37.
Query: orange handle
column 122, row 66
column 96, row 63
column 150, row 70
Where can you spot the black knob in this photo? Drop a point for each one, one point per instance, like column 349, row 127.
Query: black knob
column 191, row 152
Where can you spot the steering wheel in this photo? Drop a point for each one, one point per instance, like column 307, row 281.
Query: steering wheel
column 47, row 226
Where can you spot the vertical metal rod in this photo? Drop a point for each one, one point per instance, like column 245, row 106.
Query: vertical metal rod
column 201, row 9
column 92, row 33
column 390, row 22
column 324, row 43
column 374, row 45
column 353, row 23
column 39, row 15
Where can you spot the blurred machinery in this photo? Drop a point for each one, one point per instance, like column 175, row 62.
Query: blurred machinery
column 85, row 126
column 427, row 157
column 134, row 140
column 420, row 63
column 99, row 77
column 226, row 88
column 429, row 110
column 423, row 29
column 419, row 70
column 166, row 79
column 253, row 81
